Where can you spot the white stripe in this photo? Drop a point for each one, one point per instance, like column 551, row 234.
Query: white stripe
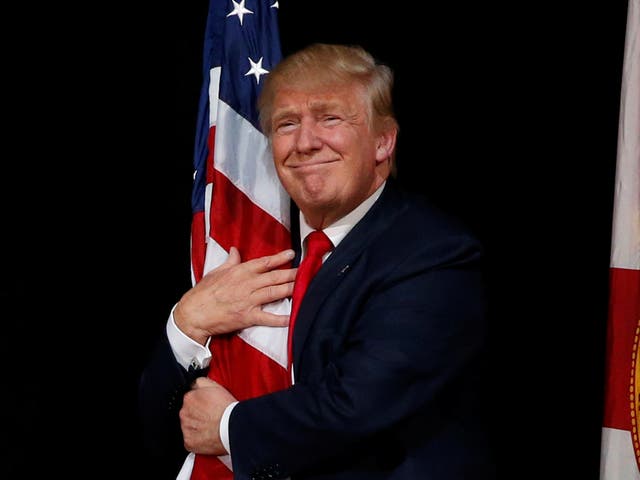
column 187, row 467
column 207, row 210
column 226, row 459
column 243, row 155
column 214, row 91
column 617, row 460
column 215, row 255
column 625, row 247
column 271, row 341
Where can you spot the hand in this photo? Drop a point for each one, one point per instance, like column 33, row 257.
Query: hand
column 230, row 297
column 200, row 416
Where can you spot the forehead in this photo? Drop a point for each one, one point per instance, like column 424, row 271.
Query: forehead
column 329, row 96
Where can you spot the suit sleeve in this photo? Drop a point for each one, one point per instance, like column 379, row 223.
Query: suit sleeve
column 162, row 385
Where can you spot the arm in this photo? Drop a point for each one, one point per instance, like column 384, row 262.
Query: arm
column 407, row 353
column 230, row 297
column 227, row 299
column 400, row 360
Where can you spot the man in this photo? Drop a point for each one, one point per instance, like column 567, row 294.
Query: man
column 389, row 339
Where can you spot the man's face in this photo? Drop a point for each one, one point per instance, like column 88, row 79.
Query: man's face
column 325, row 153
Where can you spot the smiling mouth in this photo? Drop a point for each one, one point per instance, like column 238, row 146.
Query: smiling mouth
column 312, row 164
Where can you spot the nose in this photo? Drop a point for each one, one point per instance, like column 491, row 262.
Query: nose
column 308, row 139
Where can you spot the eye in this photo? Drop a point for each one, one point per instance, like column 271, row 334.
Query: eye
column 285, row 126
column 330, row 120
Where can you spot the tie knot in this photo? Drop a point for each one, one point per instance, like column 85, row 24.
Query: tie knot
column 318, row 244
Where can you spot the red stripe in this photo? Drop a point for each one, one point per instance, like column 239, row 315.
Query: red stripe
column 237, row 221
column 198, row 245
column 624, row 318
column 243, row 370
column 208, row 467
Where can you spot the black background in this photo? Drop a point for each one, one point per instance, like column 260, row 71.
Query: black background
column 508, row 116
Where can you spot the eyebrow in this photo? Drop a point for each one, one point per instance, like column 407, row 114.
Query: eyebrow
column 315, row 106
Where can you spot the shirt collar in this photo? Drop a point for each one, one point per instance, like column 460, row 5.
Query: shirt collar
column 339, row 229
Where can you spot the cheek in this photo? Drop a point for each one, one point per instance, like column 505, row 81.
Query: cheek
column 351, row 143
column 278, row 149
column 340, row 142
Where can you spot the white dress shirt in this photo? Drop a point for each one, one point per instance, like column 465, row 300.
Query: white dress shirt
column 190, row 353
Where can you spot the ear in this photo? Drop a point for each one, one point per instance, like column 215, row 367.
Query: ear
column 386, row 143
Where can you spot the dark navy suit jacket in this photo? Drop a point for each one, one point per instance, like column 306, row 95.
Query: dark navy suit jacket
column 389, row 355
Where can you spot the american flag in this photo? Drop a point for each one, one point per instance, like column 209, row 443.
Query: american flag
column 237, row 199
column 620, row 445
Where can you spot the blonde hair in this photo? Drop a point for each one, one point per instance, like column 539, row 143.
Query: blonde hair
column 324, row 65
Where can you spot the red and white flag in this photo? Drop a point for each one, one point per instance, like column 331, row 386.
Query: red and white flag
column 620, row 445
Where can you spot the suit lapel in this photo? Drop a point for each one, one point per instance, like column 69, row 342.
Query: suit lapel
column 380, row 217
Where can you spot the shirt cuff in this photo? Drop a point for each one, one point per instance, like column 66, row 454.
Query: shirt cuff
column 224, row 427
column 188, row 352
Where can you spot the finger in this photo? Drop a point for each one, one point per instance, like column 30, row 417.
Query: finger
column 267, row 319
column 271, row 262
column 276, row 277
column 272, row 293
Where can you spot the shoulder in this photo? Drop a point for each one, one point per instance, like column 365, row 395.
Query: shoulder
column 419, row 221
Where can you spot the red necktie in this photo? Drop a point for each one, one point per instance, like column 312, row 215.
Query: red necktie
column 317, row 245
